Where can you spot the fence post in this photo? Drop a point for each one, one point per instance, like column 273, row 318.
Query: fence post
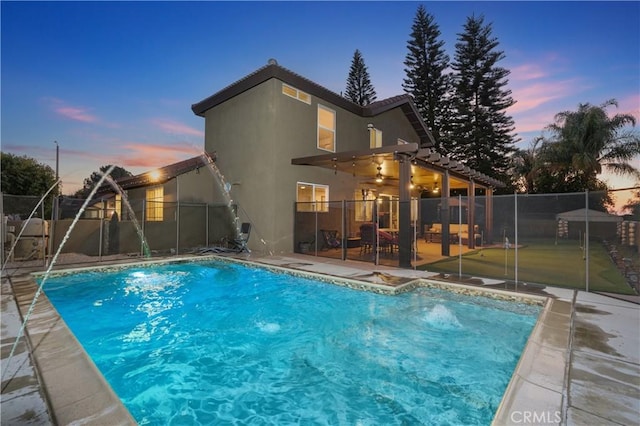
column 177, row 227
column 104, row 214
column 315, row 228
column 586, row 239
column 460, row 236
column 144, row 237
column 515, row 225
column 344, row 228
column 51, row 227
column 44, row 246
column 206, row 225
column 4, row 229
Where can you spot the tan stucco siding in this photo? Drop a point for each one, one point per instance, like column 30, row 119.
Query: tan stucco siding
column 241, row 133
column 256, row 134
column 394, row 125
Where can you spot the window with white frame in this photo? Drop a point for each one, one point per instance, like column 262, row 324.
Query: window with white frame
column 326, row 129
column 296, row 94
column 154, row 201
column 375, row 137
column 312, row 197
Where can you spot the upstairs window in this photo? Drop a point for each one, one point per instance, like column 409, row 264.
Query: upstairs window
column 375, row 138
column 154, row 200
column 296, row 94
column 312, row 197
column 326, row 129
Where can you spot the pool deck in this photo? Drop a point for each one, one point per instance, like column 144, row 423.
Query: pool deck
column 581, row 365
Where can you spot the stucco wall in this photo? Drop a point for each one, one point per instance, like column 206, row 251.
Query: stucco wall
column 256, row 134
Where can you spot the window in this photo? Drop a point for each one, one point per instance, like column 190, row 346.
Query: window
column 312, row 197
column 154, row 199
column 115, row 207
column 375, row 138
column 296, row 94
column 364, row 204
column 326, row 129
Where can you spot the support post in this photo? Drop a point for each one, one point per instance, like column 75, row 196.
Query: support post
column 444, row 214
column 404, row 214
column 471, row 214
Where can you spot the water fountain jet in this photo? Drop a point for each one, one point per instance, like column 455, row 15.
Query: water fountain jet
column 48, row 271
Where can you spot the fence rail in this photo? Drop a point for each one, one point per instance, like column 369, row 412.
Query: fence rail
column 563, row 240
column 108, row 229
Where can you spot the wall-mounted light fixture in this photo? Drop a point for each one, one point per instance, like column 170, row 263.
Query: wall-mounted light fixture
column 435, row 188
column 379, row 175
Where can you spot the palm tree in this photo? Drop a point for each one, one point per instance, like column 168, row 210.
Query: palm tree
column 587, row 141
column 526, row 167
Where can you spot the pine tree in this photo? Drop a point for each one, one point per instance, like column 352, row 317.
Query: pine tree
column 426, row 81
column 359, row 88
column 482, row 133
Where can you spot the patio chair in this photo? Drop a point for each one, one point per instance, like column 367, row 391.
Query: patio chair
column 240, row 243
column 330, row 238
column 368, row 239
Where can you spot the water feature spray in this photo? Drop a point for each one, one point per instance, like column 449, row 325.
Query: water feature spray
column 53, row 261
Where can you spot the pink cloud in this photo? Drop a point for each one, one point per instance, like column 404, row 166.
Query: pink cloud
column 527, row 72
column 533, row 122
column 77, row 114
column 155, row 155
column 175, row 127
column 630, row 105
column 534, row 95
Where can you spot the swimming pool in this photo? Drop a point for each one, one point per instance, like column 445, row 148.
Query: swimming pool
column 200, row 343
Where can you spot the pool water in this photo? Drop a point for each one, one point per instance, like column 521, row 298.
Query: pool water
column 217, row 342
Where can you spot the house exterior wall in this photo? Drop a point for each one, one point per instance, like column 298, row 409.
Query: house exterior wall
column 394, row 126
column 256, row 134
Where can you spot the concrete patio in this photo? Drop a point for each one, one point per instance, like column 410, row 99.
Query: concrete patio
column 581, row 364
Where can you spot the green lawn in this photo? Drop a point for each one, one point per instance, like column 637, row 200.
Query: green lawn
column 543, row 262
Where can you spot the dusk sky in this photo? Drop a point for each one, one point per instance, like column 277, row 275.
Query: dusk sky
column 113, row 82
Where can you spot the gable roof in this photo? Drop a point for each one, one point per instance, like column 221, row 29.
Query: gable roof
column 156, row 176
column 580, row 215
column 273, row 70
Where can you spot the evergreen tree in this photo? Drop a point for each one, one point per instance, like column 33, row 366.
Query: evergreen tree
column 426, row 81
column 482, row 133
column 359, row 87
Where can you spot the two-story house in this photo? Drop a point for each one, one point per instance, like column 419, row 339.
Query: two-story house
column 269, row 127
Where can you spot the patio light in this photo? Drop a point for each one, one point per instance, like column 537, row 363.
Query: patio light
column 379, row 175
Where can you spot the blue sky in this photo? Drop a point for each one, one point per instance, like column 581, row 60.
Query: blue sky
column 113, row 82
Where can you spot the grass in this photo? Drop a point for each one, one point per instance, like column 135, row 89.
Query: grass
column 542, row 262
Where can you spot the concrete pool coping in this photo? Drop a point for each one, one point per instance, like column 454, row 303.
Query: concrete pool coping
column 581, row 364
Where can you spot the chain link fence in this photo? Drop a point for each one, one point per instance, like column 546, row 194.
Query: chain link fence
column 34, row 231
column 563, row 240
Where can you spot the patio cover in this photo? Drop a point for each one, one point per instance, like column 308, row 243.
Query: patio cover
column 594, row 216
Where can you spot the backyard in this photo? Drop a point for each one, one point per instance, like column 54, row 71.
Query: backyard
column 560, row 264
